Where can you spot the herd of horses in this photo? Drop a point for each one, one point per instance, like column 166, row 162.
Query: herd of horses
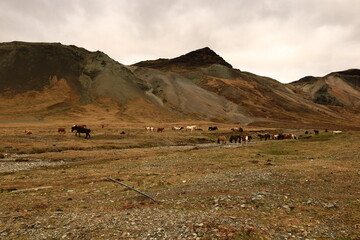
column 236, row 136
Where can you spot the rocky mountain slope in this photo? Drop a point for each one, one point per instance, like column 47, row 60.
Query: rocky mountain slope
column 337, row 88
column 212, row 88
column 50, row 80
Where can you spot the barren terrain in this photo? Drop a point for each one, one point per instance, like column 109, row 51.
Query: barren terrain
column 56, row 186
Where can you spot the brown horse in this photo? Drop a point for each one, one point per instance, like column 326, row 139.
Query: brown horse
column 27, row 132
column 160, row 129
column 61, row 130
column 221, row 139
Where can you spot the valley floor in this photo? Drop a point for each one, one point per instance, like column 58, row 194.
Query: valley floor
column 56, row 186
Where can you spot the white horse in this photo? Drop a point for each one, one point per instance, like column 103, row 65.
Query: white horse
column 149, row 129
column 336, row 132
column 177, row 128
column 190, row 128
column 246, row 138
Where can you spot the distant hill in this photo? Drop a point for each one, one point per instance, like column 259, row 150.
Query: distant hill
column 54, row 81
column 337, row 88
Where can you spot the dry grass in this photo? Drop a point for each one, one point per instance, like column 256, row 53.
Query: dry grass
column 275, row 189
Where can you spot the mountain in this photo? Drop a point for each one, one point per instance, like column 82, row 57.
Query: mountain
column 54, row 81
column 214, row 90
column 335, row 89
column 43, row 79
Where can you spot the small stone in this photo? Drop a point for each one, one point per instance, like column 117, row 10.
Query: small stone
column 330, row 205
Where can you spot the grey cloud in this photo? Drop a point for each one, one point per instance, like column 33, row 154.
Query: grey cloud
column 283, row 39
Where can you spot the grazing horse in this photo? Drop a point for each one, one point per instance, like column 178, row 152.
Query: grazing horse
column 190, row 128
column 213, row 128
column 275, row 137
column 149, row 129
column 61, row 130
column 177, row 128
column 235, row 138
column 287, row 136
column 160, row 129
column 316, row 132
column 265, row 136
column 27, row 132
column 80, row 129
column 236, row 129
column 246, row 138
column 336, row 132
column 221, row 139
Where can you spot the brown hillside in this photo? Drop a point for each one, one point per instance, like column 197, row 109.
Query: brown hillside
column 225, row 94
column 336, row 89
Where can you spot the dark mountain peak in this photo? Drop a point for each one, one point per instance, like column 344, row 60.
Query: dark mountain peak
column 350, row 72
column 351, row 76
column 198, row 58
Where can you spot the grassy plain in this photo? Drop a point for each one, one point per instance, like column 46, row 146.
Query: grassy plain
column 55, row 186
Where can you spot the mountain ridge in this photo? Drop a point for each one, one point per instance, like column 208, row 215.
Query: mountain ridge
column 50, row 80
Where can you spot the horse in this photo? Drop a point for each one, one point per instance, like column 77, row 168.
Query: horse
column 122, row 132
column 246, row 138
column 177, row 128
column 190, row 128
column 213, row 128
column 235, row 138
column 160, row 129
column 61, row 130
column 80, row 129
column 221, row 139
column 336, row 132
column 236, row 129
column 265, row 136
column 27, row 132
column 316, row 132
column 287, row 136
column 149, row 129
column 275, row 137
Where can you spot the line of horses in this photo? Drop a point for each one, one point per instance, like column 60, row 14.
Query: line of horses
column 191, row 129
column 233, row 138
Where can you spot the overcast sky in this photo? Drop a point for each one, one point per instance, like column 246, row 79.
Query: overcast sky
column 281, row 39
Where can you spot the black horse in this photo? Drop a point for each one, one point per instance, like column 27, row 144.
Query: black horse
column 80, row 129
column 213, row 128
column 235, row 138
